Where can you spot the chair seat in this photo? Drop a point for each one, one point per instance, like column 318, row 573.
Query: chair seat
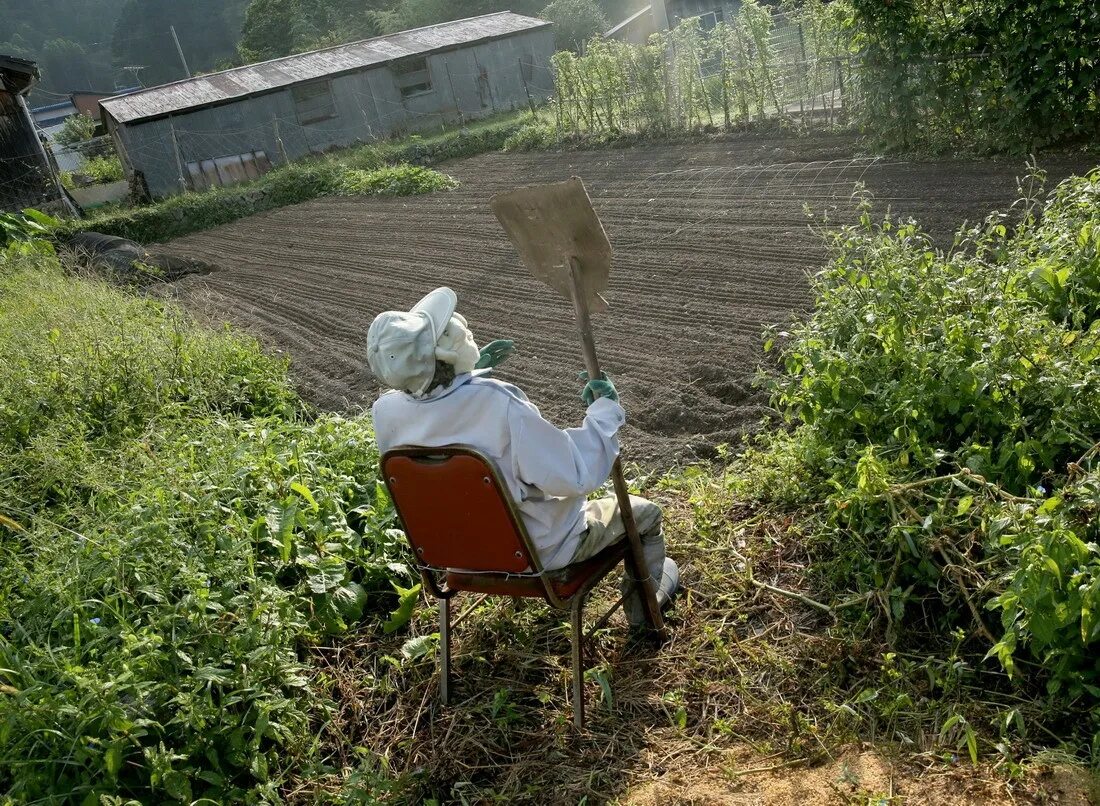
column 565, row 582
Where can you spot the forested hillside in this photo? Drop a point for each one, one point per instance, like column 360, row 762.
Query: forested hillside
column 108, row 44
column 70, row 40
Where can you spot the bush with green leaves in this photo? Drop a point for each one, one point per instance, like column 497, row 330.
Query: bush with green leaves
column 75, row 129
column 534, row 137
column 27, row 231
column 575, row 22
column 1000, row 75
column 395, row 180
column 176, row 529
column 104, row 169
column 286, row 185
column 946, row 407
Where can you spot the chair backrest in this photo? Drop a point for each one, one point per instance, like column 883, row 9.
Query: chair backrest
column 455, row 510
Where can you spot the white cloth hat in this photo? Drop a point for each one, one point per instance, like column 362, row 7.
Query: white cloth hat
column 401, row 345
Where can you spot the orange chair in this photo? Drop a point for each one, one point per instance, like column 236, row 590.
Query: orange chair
column 463, row 527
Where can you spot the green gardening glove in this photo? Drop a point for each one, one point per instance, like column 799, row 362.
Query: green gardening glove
column 600, row 387
column 494, row 353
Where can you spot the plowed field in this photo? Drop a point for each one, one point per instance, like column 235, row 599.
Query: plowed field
column 711, row 243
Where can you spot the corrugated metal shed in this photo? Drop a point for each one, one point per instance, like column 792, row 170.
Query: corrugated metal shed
column 254, row 79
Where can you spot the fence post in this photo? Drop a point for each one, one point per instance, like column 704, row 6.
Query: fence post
column 526, row 90
column 279, row 138
column 839, row 88
column 454, row 95
column 176, row 152
column 803, row 73
column 725, row 88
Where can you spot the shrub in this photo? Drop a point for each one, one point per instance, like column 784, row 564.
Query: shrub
column 27, row 230
column 949, row 404
column 289, row 184
column 175, row 528
column 104, row 169
column 395, row 180
column 75, row 129
column 575, row 22
column 533, row 137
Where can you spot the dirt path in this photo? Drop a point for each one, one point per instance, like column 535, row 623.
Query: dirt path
column 710, row 246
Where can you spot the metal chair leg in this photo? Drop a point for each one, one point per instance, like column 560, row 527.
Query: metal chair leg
column 445, row 651
column 576, row 611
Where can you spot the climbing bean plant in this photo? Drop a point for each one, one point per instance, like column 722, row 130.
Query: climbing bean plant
column 759, row 64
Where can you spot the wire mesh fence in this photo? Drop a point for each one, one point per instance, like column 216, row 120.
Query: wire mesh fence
column 26, row 180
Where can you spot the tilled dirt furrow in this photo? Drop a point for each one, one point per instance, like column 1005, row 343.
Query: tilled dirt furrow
column 711, row 245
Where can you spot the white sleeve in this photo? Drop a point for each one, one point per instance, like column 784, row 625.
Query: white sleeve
column 572, row 462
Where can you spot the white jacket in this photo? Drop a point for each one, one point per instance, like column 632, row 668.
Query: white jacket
column 548, row 471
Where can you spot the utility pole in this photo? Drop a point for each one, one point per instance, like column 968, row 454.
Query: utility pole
column 179, row 50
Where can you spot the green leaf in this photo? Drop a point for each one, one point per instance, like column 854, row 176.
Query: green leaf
column 281, row 525
column 303, row 491
column 406, row 604
column 112, row 760
column 177, row 785
column 39, row 217
column 419, row 647
column 972, row 744
column 600, row 675
column 327, row 574
column 350, row 601
column 964, row 504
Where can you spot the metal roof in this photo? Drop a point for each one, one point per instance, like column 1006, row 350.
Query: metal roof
column 17, row 75
column 254, row 79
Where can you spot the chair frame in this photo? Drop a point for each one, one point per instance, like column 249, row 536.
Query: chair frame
column 573, row 603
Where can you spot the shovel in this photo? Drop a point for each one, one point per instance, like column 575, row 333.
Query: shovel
column 562, row 241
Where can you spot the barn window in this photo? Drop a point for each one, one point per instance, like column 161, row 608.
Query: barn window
column 412, row 76
column 313, row 102
column 708, row 21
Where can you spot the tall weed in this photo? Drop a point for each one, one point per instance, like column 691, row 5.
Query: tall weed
column 947, row 404
column 175, row 527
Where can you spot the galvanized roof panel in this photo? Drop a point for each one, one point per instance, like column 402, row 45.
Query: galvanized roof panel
column 251, row 79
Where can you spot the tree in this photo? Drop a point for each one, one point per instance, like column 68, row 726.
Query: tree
column 272, row 28
column 143, row 36
column 418, row 13
column 66, row 38
column 67, row 66
column 575, row 22
column 75, row 129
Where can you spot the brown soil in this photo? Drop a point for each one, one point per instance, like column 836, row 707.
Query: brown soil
column 710, row 247
column 868, row 777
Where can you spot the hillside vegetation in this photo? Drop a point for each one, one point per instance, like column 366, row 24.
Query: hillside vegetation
column 176, row 527
column 942, row 459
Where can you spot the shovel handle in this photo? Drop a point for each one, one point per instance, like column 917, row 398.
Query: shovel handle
column 635, row 556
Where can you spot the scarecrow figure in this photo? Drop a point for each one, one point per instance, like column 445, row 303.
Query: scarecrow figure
column 442, row 395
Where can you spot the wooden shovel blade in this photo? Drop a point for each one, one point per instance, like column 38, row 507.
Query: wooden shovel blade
column 552, row 224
